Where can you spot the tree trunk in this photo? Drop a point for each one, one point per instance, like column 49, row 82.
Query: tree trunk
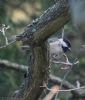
column 35, row 35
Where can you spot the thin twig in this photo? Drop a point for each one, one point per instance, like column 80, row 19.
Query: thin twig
column 65, row 63
column 67, row 85
column 68, row 71
column 62, row 90
column 63, row 33
column 3, row 30
column 8, row 44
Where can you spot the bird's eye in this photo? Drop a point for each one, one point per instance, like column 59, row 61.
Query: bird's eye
column 65, row 49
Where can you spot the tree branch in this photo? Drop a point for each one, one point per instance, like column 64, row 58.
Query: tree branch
column 77, row 92
column 47, row 24
column 5, row 64
column 53, row 79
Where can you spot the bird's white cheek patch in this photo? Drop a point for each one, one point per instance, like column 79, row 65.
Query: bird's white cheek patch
column 62, row 42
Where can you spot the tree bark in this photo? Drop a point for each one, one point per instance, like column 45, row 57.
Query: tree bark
column 47, row 24
column 34, row 35
column 40, row 73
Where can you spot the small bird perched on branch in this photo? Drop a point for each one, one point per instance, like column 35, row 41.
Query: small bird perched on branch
column 58, row 47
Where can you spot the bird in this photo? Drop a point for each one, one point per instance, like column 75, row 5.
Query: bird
column 58, row 47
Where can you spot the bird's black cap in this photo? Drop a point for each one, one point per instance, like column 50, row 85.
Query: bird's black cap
column 65, row 49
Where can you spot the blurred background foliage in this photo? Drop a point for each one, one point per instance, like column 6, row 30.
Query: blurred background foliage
column 17, row 14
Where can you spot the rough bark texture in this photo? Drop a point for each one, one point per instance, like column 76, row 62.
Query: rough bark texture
column 34, row 35
column 47, row 24
column 30, row 89
column 39, row 73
